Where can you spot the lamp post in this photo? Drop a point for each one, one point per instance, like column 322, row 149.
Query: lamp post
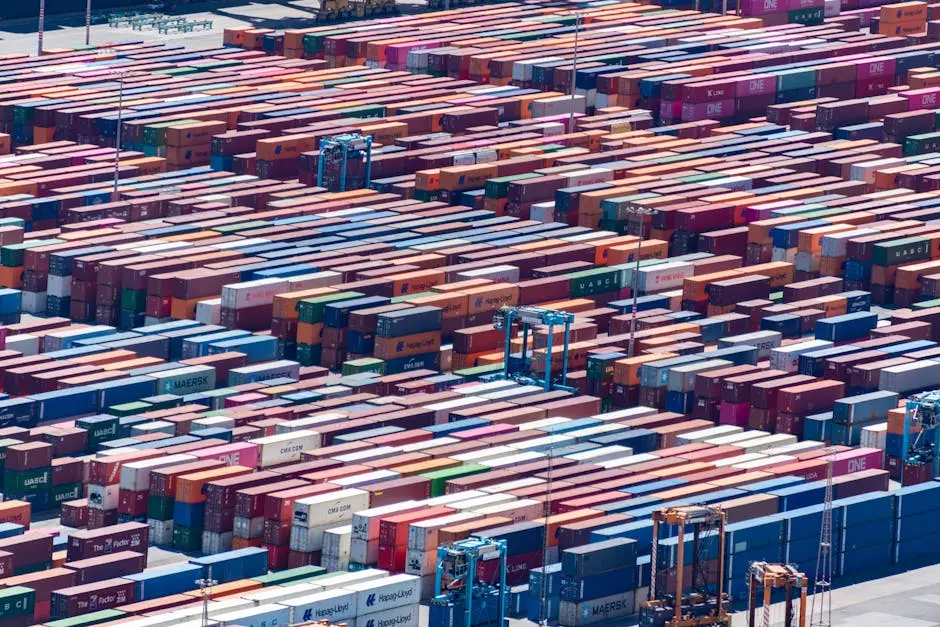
column 42, row 19
column 636, row 211
column 88, row 22
column 574, row 68
column 117, row 147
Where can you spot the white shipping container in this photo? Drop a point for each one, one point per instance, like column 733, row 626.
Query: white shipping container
column 736, row 438
column 663, row 276
column 474, row 457
column 252, row 293
column 333, row 606
column 248, row 527
column 711, row 432
column 285, row 447
column 787, row 358
column 307, row 539
column 329, row 509
column 738, row 459
column 836, row 244
column 483, row 388
column 513, row 393
column 626, row 461
column 366, row 478
column 24, row 342
column 60, row 286
column 209, row 311
column 602, row 454
column 795, row 449
column 336, row 542
column 456, row 497
column 365, row 523
column 760, row 445
column 213, row 543
column 588, row 176
column 471, row 504
column 506, row 273
column 417, row 447
column 370, row 453
column 386, row 593
column 547, row 441
column 767, row 462
column 442, row 410
column 276, row 594
column 420, row 562
column 544, row 422
column 212, row 422
column 364, row 551
column 512, row 485
column 513, row 460
column 103, row 496
column 875, row 436
column 325, row 278
column 155, row 426
column 347, row 579
column 309, row 423
column 763, row 341
column 422, row 535
column 522, row 510
column 624, row 414
column 405, row 616
column 135, row 476
column 592, row 432
column 161, row 531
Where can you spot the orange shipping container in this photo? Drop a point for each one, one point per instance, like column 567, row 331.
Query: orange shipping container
column 191, row 488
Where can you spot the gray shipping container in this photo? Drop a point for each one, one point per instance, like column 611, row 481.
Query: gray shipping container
column 917, row 375
column 598, row 610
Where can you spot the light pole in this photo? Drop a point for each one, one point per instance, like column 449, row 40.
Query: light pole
column 117, row 146
column 636, row 211
column 42, row 19
column 88, row 23
column 574, row 68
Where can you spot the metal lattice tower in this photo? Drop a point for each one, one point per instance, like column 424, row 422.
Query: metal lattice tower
column 822, row 586
column 206, row 585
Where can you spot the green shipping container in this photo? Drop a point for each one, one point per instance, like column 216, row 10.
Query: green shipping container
column 619, row 208
column 67, row 492
column 310, row 310
column 808, row 17
column 474, row 374
column 155, row 134
column 129, row 409
column 440, row 477
column 927, row 304
column 17, row 601
column 309, row 354
column 99, row 431
column 85, row 620
column 133, row 300
column 918, row 144
column 12, row 256
column 289, row 576
column 499, row 187
column 366, row 364
column 22, row 481
column 187, row 538
column 898, row 251
column 227, row 229
column 788, row 80
column 596, row 281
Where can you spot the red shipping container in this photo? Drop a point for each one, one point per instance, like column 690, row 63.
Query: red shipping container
column 393, row 536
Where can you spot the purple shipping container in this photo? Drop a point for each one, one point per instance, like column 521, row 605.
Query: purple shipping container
column 107, row 566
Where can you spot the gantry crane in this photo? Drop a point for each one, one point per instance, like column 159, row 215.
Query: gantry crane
column 529, row 317
column 769, row 576
column 345, row 162
column 705, row 603
column 457, row 588
column 921, row 439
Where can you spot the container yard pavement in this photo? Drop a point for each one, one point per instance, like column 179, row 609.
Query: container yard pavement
column 67, row 31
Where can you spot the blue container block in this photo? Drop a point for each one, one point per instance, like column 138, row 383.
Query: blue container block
column 917, row 499
column 864, row 408
column 680, row 402
column 846, row 327
column 215, row 432
column 521, row 538
column 864, row 508
column 802, row 550
column 161, row 582
column 639, row 530
column 232, row 565
column 800, row 495
column 668, row 551
column 258, row 348
column 627, row 504
column 776, row 483
column 571, row 425
column 8, row 530
column 640, row 440
column 867, row 534
column 806, row 522
column 918, row 551
column 748, row 535
column 75, row 401
column 189, row 514
column 655, row 486
column 869, row 559
column 576, row 590
column 545, row 575
column 19, row 412
column 122, row 391
column 534, row 609
column 518, row 601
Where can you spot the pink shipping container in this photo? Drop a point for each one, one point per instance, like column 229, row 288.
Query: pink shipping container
column 236, row 454
column 857, row 460
column 484, row 432
column 733, row 413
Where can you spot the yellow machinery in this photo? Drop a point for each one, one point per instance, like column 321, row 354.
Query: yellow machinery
column 769, row 576
column 701, row 602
